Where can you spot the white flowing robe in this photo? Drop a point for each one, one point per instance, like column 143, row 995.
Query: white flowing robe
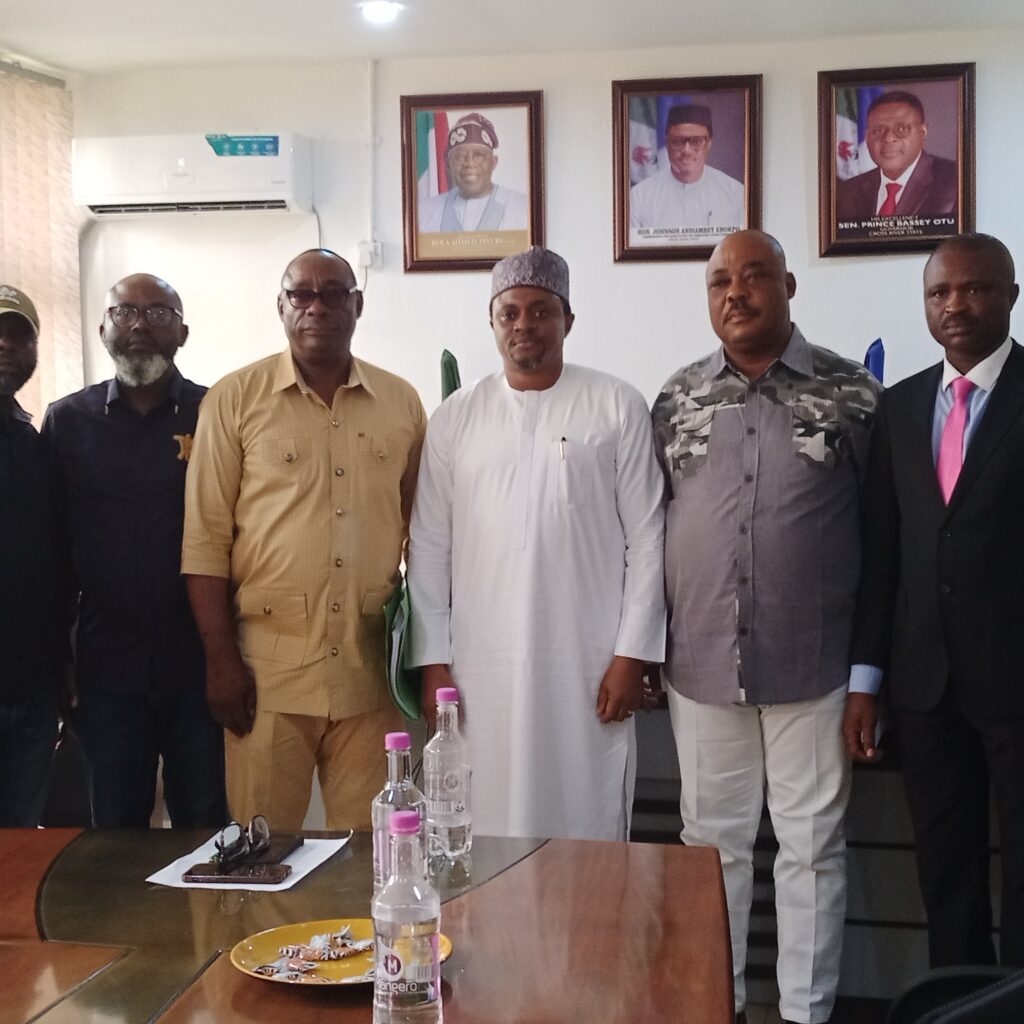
column 536, row 555
column 712, row 206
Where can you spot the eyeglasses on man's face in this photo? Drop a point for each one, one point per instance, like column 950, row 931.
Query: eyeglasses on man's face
column 126, row 315
column 880, row 132
column 694, row 142
column 333, row 296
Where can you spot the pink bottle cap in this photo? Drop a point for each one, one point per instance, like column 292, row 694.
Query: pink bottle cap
column 404, row 823
column 447, row 695
column 397, row 741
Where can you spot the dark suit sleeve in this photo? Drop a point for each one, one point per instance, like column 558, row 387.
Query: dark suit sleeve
column 880, row 551
column 855, row 197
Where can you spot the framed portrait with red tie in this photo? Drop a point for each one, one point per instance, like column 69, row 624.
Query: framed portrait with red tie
column 895, row 158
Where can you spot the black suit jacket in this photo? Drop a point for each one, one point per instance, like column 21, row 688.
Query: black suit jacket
column 932, row 189
column 941, row 598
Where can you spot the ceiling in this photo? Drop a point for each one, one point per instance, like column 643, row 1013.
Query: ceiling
column 96, row 36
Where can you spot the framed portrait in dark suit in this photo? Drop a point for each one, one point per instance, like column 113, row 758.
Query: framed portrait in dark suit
column 472, row 178
column 895, row 158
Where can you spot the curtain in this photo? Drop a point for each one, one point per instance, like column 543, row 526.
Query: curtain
column 39, row 229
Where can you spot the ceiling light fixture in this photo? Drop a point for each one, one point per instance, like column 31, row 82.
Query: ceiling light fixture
column 380, row 12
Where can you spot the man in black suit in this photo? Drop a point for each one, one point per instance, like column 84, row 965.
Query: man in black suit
column 906, row 180
column 941, row 602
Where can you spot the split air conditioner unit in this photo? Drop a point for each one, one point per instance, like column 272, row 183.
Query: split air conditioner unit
column 154, row 174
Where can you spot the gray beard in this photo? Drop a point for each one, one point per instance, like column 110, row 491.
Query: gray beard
column 141, row 371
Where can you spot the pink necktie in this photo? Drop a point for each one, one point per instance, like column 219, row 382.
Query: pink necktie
column 889, row 205
column 951, row 448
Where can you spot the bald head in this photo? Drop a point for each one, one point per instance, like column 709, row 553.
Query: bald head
column 976, row 244
column 767, row 246
column 323, row 259
column 150, row 284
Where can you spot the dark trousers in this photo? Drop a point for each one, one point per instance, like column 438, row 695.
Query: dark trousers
column 950, row 763
column 28, row 736
column 124, row 734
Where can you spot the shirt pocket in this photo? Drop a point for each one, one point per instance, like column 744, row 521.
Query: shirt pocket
column 275, row 625
column 573, row 468
column 381, row 455
column 818, row 434
column 291, row 454
column 688, row 450
column 371, row 624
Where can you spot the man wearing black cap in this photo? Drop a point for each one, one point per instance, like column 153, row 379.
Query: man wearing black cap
column 535, row 569
column 29, row 666
column 687, row 196
column 474, row 202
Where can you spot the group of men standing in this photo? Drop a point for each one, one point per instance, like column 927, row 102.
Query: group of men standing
column 777, row 520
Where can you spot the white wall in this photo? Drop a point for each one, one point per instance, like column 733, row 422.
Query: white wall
column 640, row 321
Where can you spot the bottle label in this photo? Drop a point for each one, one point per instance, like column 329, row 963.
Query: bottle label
column 409, row 967
column 449, row 796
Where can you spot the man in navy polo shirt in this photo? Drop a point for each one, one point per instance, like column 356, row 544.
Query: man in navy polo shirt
column 122, row 447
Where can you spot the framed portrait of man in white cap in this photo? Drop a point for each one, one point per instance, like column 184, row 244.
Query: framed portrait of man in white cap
column 687, row 164
column 472, row 189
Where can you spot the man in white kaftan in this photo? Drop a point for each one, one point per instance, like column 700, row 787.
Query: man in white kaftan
column 686, row 201
column 535, row 570
column 501, row 209
column 714, row 201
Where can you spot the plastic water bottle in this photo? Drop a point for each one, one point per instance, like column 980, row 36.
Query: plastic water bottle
column 447, row 776
column 400, row 794
column 406, row 927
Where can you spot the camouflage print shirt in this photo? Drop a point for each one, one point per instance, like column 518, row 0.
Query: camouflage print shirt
column 762, row 546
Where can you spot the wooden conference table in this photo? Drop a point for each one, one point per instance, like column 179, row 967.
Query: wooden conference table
column 543, row 933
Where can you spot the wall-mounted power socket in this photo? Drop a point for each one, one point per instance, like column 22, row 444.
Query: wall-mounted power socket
column 370, row 254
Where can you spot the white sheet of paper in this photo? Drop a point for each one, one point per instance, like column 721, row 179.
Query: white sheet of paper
column 310, row 855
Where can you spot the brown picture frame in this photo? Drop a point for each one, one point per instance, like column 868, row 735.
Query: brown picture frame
column 932, row 196
column 509, row 216
column 731, row 189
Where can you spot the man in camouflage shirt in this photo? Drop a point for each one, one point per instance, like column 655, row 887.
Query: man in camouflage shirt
column 762, row 444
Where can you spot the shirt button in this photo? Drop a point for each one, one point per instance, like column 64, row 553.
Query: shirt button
column 743, row 529
column 743, row 631
column 945, row 588
column 946, row 534
column 334, row 423
column 338, row 562
column 744, row 580
column 334, row 651
column 748, row 478
column 339, row 511
column 751, row 430
column 266, row 609
column 289, row 457
column 339, row 472
column 335, row 607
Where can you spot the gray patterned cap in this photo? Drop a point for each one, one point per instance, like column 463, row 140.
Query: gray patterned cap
column 535, row 268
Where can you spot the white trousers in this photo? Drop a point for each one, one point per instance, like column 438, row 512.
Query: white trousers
column 730, row 757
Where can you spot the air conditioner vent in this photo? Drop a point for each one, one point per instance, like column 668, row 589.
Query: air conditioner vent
column 125, row 209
